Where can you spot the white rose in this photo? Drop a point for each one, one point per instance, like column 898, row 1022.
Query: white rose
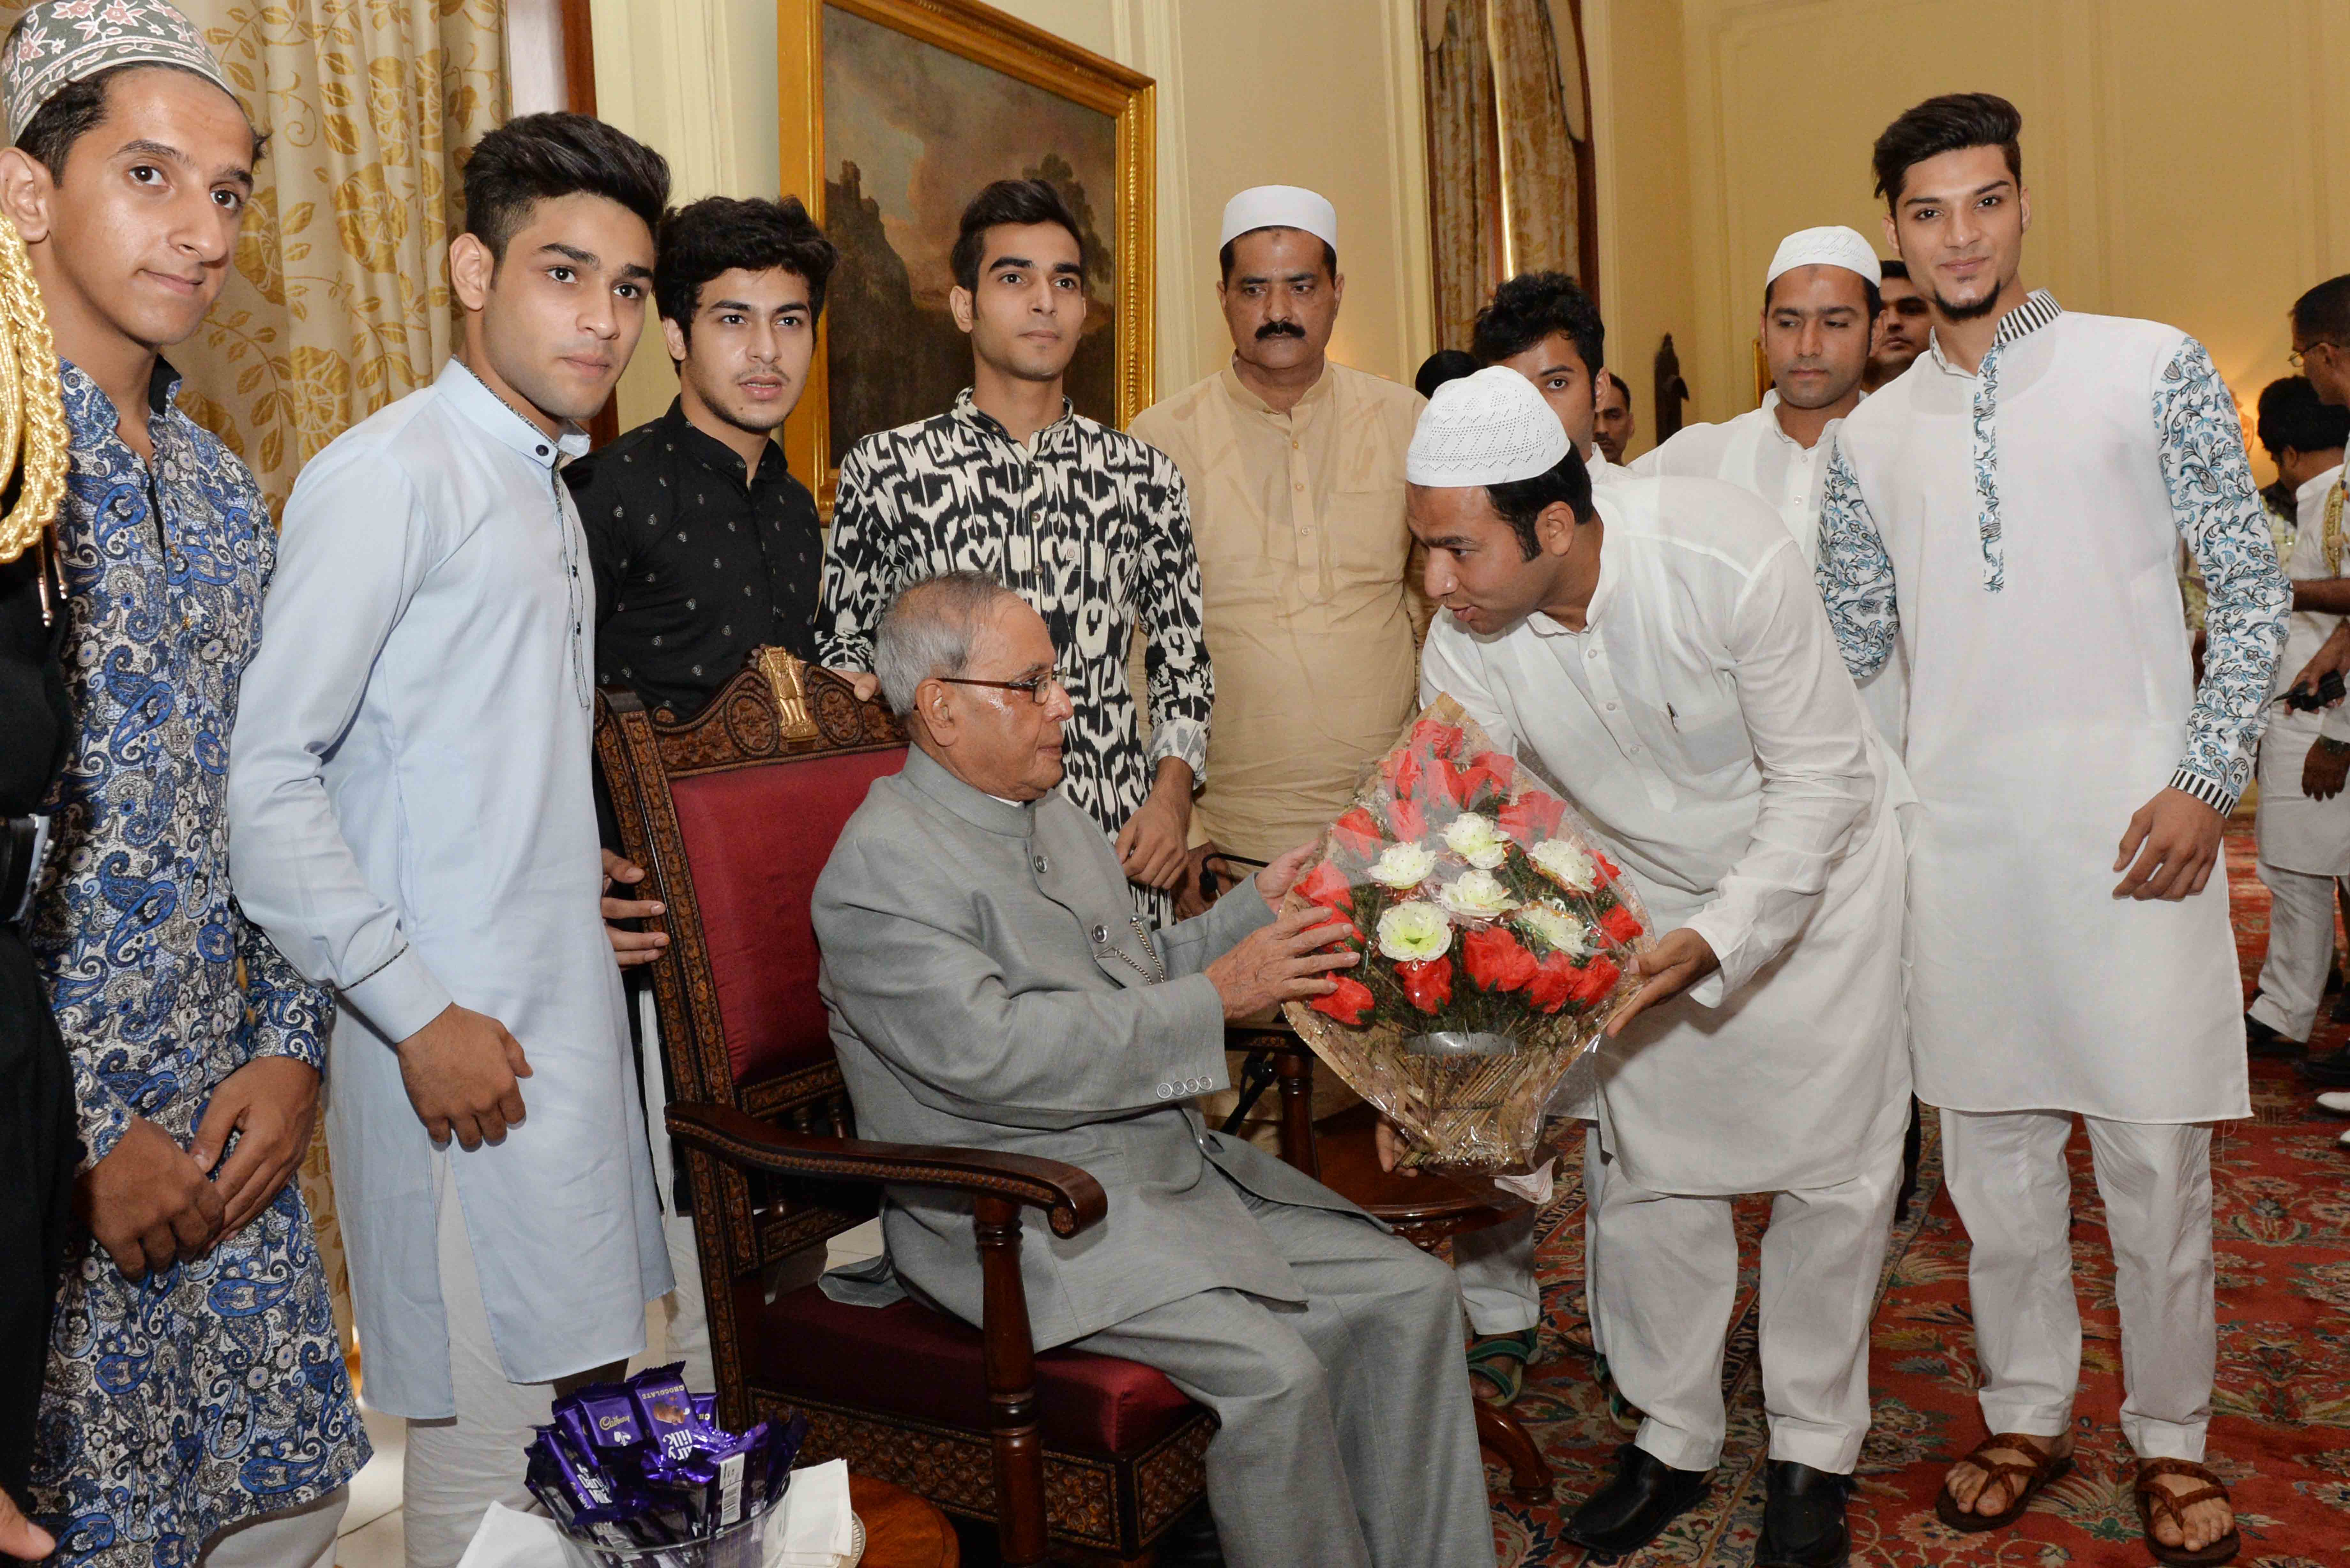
column 1403, row 865
column 1414, row 932
column 1555, row 926
column 1477, row 894
column 1571, row 868
column 1474, row 838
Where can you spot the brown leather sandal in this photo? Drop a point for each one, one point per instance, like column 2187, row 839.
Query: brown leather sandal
column 2047, row 1466
column 2153, row 1499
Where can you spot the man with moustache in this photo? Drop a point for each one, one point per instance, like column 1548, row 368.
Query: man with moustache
column 1904, row 325
column 414, row 823
column 1819, row 306
column 2071, row 954
column 1614, row 426
column 1657, row 649
column 195, row 1408
column 1089, row 525
column 1293, row 466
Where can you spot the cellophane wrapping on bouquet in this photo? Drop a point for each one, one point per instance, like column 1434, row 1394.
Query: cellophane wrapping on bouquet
column 1494, row 942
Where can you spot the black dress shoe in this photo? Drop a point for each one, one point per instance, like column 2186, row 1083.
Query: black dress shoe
column 1802, row 1518
column 2261, row 1041
column 2333, row 1069
column 1634, row 1505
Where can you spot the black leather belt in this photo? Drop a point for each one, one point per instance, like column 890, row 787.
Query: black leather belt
column 20, row 861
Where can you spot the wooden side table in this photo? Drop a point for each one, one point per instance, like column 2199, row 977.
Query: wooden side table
column 901, row 1531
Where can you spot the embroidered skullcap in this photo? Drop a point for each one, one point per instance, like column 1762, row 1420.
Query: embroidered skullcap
column 1487, row 429
column 1279, row 207
column 60, row 42
column 1833, row 245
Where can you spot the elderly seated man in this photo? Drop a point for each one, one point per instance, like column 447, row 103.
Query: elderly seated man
column 991, row 987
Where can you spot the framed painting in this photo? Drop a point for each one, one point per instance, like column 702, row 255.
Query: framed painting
column 895, row 113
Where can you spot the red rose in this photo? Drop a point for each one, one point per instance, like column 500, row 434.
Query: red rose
column 1436, row 740
column 1606, row 867
column 1326, row 885
column 1450, row 781
column 1533, row 816
column 1429, row 982
column 1402, row 773
column 1620, row 925
column 1600, row 979
column 1500, row 764
column 1556, row 983
column 1408, row 819
column 1348, row 1005
column 1357, row 832
column 1497, row 960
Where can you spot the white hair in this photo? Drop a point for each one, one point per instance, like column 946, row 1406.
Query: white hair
column 927, row 630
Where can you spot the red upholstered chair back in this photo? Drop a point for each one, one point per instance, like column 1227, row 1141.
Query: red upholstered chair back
column 733, row 813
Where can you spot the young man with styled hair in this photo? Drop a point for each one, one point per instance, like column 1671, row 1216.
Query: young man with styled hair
column 1088, row 523
column 414, row 823
column 2070, row 950
column 196, row 1408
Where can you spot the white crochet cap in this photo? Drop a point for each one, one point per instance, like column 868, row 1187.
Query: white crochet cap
column 1487, row 429
column 1833, row 245
column 1279, row 207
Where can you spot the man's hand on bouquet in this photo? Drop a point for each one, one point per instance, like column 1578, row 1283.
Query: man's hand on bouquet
column 148, row 1202
column 2323, row 770
column 1275, row 880
column 1679, row 960
column 270, row 1103
column 461, row 1071
column 629, row 949
column 1280, row 962
column 2176, row 841
column 1390, row 1143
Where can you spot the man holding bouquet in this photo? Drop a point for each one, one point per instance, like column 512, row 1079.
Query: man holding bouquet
column 1661, row 652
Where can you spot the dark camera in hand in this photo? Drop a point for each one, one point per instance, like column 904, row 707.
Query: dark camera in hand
column 2328, row 692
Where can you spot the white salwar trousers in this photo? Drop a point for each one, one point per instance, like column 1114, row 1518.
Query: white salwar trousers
column 685, row 1316
column 2301, row 950
column 1663, row 1306
column 290, row 1538
column 2007, row 1177
column 457, row 1467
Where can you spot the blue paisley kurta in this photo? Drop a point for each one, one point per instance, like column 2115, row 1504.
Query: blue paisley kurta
column 214, row 1390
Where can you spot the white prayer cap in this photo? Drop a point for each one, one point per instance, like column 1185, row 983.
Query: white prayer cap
column 1833, row 245
column 1279, row 207
column 1487, row 429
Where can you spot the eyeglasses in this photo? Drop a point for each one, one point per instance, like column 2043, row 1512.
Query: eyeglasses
column 2295, row 359
column 1040, row 687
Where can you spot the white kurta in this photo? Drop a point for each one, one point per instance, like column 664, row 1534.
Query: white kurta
column 2296, row 833
column 2029, row 521
column 1755, row 453
column 411, row 821
column 1704, row 726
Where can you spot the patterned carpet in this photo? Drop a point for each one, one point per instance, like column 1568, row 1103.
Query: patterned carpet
column 2281, row 1436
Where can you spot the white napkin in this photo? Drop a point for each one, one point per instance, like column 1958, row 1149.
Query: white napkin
column 1534, row 1186
column 815, row 1528
column 508, row 1538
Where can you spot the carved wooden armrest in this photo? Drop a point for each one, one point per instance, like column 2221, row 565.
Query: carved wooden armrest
column 1071, row 1199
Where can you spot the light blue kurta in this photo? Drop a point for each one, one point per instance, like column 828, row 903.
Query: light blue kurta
column 412, row 822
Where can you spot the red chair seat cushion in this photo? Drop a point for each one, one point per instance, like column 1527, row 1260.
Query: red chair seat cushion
column 906, row 1360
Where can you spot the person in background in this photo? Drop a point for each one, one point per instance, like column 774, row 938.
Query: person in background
column 1904, row 325
column 196, row 1407
column 413, row 820
column 2303, row 826
column 1444, row 365
column 1294, row 467
column 1090, row 524
column 1613, row 426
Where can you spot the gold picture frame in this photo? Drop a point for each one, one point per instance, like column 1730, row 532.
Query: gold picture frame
column 816, row 137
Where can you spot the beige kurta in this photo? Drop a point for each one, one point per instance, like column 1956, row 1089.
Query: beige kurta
column 1311, row 607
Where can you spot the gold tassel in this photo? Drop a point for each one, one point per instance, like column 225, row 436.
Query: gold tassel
column 32, row 413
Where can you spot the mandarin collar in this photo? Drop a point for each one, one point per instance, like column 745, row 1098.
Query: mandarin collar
column 474, row 398
column 712, row 454
column 976, row 806
column 1779, row 431
column 1241, row 392
column 2038, row 309
column 967, row 408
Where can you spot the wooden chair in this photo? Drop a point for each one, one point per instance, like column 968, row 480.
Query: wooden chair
column 733, row 814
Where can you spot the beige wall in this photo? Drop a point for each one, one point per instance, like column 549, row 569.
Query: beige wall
column 1323, row 93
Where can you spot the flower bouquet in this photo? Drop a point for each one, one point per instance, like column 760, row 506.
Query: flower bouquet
column 1495, row 943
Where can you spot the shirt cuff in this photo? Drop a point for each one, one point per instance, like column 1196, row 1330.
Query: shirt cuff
column 103, row 1124
column 1185, row 739
column 2211, row 792
column 1727, row 938
column 399, row 999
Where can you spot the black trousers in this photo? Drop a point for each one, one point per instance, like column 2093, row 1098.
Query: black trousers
column 39, row 1151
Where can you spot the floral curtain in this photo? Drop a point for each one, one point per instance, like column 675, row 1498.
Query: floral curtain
column 339, row 301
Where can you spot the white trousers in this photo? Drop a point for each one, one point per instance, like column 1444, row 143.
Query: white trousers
column 456, row 1468
column 1496, row 1265
column 684, row 1314
column 2007, row 1177
column 291, row 1538
column 2301, row 950
column 1665, row 1298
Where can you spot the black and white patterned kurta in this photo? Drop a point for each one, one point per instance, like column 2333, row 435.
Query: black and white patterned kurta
column 1090, row 526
